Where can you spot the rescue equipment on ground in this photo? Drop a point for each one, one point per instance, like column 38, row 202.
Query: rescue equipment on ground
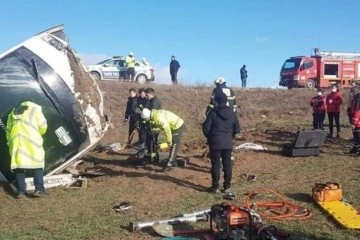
column 329, row 197
column 327, row 192
column 231, row 222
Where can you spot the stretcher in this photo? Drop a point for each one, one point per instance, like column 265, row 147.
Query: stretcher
column 343, row 213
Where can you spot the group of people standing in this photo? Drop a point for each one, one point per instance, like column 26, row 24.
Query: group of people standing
column 144, row 112
column 329, row 104
column 130, row 62
column 173, row 68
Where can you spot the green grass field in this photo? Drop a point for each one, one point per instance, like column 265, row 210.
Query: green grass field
column 88, row 213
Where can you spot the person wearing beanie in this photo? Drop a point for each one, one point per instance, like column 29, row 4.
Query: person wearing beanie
column 220, row 128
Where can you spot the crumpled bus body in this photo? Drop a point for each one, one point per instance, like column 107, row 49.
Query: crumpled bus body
column 44, row 69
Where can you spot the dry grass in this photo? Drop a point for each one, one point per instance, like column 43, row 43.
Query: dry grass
column 88, row 214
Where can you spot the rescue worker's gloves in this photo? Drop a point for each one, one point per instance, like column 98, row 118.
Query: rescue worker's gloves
column 155, row 130
column 163, row 146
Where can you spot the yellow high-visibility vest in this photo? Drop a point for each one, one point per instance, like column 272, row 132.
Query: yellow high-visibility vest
column 130, row 61
column 165, row 121
column 25, row 126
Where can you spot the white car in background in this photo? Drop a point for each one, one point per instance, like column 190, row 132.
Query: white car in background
column 115, row 69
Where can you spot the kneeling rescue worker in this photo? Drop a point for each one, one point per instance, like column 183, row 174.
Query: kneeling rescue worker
column 173, row 128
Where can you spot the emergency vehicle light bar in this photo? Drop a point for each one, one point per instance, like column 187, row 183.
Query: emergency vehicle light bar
column 336, row 55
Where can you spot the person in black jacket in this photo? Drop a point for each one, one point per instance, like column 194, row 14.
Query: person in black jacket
column 152, row 101
column 131, row 114
column 141, row 102
column 220, row 127
column 174, row 68
column 243, row 76
column 151, row 137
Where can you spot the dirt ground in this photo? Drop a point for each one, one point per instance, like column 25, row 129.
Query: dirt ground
column 268, row 117
column 257, row 108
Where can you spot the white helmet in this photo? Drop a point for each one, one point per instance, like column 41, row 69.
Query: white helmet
column 145, row 113
column 131, row 54
column 220, row 80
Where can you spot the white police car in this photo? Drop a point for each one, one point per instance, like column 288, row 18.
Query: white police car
column 115, row 69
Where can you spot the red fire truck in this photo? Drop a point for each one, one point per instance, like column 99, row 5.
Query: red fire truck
column 321, row 70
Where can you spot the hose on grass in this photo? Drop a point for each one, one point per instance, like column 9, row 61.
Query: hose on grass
column 276, row 210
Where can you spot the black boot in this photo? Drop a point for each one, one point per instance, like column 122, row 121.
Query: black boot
column 354, row 150
column 168, row 166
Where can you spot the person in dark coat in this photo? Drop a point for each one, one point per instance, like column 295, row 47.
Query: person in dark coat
column 152, row 101
column 151, row 137
column 131, row 114
column 141, row 102
column 243, row 76
column 174, row 68
column 141, row 99
column 220, row 127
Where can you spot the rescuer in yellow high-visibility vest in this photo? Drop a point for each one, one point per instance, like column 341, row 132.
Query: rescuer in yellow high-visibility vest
column 130, row 64
column 26, row 125
column 171, row 125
